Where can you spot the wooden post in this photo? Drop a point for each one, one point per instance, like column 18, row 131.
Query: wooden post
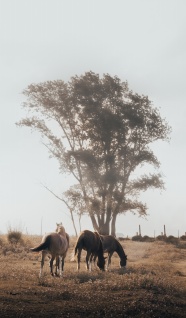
column 41, row 225
column 139, row 230
column 164, row 231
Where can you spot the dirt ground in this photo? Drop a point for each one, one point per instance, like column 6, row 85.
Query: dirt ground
column 152, row 285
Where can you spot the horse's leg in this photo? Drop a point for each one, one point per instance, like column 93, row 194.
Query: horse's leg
column 60, row 258
column 78, row 258
column 62, row 263
column 57, row 265
column 109, row 259
column 51, row 265
column 42, row 263
column 88, row 260
column 92, row 257
column 94, row 260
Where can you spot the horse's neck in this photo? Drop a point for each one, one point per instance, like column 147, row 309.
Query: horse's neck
column 119, row 250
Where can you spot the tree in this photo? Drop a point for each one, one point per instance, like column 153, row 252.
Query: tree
column 103, row 133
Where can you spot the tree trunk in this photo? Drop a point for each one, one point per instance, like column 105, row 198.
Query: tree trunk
column 94, row 223
column 113, row 225
column 73, row 222
column 102, row 227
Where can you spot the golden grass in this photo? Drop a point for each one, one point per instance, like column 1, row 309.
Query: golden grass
column 152, row 285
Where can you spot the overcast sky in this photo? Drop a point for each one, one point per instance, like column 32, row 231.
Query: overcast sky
column 141, row 41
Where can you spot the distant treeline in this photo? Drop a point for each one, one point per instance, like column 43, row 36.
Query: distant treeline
column 146, row 238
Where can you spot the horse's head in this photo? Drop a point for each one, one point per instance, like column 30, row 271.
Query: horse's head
column 59, row 224
column 101, row 263
column 60, row 229
column 123, row 261
column 100, row 254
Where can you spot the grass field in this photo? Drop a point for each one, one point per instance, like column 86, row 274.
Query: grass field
column 152, row 285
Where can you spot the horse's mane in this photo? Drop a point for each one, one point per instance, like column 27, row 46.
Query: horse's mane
column 120, row 249
column 100, row 250
column 96, row 233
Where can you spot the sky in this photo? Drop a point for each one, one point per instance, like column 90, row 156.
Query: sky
column 143, row 42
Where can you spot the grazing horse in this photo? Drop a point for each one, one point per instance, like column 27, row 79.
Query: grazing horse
column 111, row 245
column 56, row 244
column 90, row 242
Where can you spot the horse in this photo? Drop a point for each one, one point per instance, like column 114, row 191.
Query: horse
column 92, row 244
column 64, row 255
column 56, row 244
column 111, row 245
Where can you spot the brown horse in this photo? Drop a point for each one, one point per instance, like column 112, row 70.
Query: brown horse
column 111, row 245
column 64, row 255
column 56, row 244
column 90, row 242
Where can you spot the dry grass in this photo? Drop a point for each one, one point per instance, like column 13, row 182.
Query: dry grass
column 152, row 285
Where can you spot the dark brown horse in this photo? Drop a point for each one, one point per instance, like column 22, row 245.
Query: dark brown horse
column 90, row 242
column 111, row 245
column 55, row 244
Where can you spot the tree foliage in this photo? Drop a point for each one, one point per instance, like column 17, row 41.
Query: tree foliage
column 101, row 132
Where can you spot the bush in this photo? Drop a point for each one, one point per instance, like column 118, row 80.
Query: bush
column 14, row 236
column 147, row 238
column 124, row 238
column 160, row 238
column 137, row 238
column 1, row 241
column 172, row 239
column 183, row 237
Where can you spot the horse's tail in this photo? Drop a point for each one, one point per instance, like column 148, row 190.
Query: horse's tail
column 43, row 246
column 68, row 239
column 79, row 243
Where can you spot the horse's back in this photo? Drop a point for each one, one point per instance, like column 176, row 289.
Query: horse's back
column 109, row 243
column 57, row 244
column 88, row 240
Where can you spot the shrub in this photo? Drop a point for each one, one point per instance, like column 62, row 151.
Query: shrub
column 171, row 239
column 183, row 237
column 160, row 238
column 124, row 238
column 137, row 238
column 14, row 236
column 147, row 238
column 1, row 241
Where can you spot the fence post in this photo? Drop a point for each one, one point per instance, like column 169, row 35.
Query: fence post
column 164, row 231
column 139, row 230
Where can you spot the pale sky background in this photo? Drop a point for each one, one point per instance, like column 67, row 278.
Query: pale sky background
column 141, row 41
